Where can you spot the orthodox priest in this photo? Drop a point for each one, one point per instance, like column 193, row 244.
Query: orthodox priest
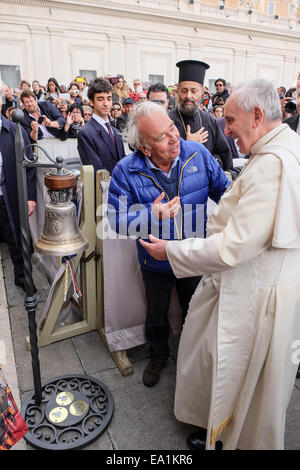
column 193, row 123
column 236, row 364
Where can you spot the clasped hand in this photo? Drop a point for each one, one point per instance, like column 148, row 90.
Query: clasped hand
column 166, row 210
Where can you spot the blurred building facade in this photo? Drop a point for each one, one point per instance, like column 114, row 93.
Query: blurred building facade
column 145, row 38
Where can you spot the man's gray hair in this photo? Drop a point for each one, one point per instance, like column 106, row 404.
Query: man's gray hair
column 258, row 92
column 131, row 133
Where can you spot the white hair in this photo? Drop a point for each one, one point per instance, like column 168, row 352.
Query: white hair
column 131, row 133
column 258, row 92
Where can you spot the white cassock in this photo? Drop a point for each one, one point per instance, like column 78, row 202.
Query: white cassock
column 235, row 372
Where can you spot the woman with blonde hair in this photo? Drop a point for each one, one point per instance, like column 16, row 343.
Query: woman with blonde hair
column 121, row 89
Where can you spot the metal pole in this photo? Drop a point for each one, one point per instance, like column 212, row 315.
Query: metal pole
column 30, row 299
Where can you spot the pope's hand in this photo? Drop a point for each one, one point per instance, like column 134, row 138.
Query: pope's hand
column 156, row 249
column 166, row 210
column 200, row 136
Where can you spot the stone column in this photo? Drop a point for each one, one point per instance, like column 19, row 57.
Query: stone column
column 116, row 54
column 238, row 73
column 182, row 52
column 132, row 59
column 59, row 57
column 250, row 66
column 41, row 51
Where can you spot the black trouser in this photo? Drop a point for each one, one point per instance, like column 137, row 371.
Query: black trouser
column 14, row 250
column 158, row 294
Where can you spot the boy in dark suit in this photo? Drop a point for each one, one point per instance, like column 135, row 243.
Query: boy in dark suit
column 99, row 143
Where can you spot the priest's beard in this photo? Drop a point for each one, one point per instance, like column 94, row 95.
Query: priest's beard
column 189, row 109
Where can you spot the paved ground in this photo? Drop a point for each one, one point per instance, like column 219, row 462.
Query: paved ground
column 143, row 418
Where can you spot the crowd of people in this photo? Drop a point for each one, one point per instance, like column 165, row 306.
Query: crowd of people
column 233, row 277
column 73, row 103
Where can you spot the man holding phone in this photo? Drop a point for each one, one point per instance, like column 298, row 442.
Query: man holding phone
column 41, row 119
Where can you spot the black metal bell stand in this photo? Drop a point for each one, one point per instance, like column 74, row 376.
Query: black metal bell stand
column 70, row 411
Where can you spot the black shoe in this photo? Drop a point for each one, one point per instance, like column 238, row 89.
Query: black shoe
column 197, row 441
column 152, row 373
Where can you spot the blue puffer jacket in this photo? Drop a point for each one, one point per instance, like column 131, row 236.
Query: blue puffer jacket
column 134, row 187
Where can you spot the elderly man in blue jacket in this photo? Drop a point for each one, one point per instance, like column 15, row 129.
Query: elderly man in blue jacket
column 162, row 188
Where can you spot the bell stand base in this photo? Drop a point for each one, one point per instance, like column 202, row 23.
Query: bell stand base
column 48, row 332
column 74, row 412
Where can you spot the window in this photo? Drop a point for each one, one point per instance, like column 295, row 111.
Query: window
column 156, row 79
column 89, row 74
column 271, row 8
column 10, row 75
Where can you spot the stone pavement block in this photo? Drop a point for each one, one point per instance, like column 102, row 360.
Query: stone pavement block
column 292, row 430
column 92, row 352
column 143, row 417
column 102, row 443
column 55, row 359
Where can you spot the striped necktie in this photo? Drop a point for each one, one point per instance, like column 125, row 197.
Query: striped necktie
column 111, row 135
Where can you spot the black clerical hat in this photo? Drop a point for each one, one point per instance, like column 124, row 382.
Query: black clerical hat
column 192, row 71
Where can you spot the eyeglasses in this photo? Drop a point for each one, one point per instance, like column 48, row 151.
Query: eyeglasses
column 116, row 109
column 219, row 84
column 87, row 114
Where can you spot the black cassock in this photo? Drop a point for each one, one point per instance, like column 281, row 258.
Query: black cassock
column 216, row 143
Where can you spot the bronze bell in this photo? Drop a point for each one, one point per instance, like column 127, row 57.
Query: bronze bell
column 61, row 235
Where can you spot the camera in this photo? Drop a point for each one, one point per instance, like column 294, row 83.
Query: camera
column 41, row 119
column 291, row 106
column 114, row 80
column 76, row 92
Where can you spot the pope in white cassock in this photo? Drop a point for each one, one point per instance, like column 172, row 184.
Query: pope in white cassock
column 235, row 370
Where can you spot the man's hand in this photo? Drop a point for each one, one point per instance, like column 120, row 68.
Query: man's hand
column 47, row 122
column 31, row 207
column 166, row 210
column 200, row 136
column 35, row 130
column 156, row 249
column 34, row 126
